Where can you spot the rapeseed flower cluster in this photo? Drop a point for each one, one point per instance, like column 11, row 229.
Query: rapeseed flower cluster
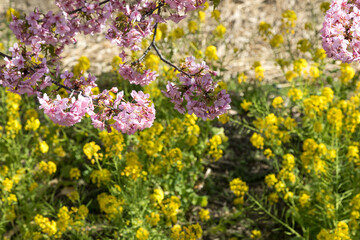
column 110, row 205
column 113, row 142
column 341, row 232
column 47, row 167
column 133, row 168
column 239, row 188
column 100, row 177
column 82, row 65
column 288, row 21
column 13, row 125
column 190, row 232
column 170, row 208
column 214, row 143
column 91, row 150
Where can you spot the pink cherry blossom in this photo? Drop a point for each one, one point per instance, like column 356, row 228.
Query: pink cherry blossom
column 198, row 91
column 340, row 32
column 38, row 34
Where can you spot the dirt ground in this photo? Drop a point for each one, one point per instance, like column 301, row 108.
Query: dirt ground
column 241, row 17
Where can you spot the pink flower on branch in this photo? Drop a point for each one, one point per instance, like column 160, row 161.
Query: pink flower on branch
column 47, row 34
column 127, row 117
column 66, row 111
column 135, row 77
column 198, row 89
column 340, row 32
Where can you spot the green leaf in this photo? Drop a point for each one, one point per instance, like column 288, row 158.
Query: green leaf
column 216, row 3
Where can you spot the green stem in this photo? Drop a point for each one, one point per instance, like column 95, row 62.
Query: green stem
column 244, row 125
column 337, row 174
column 293, row 231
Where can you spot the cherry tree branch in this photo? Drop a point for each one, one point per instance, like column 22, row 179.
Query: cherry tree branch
column 167, row 61
column 79, row 9
column 4, row 55
column 153, row 45
column 64, row 87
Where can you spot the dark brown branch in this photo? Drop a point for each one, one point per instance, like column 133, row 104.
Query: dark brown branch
column 154, row 36
column 4, row 55
column 79, row 9
column 161, row 4
column 64, row 87
column 168, row 62
column 153, row 45
column 148, row 49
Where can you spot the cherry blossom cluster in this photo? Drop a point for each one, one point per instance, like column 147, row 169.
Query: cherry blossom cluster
column 34, row 64
column 341, row 31
column 196, row 91
column 127, row 117
column 135, row 77
column 21, row 75
column 65, row 111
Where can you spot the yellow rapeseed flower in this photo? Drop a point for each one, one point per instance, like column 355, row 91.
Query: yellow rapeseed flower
column 153, row 219
column 303, row 45
column 259, row 73
column 82, row 65
column 220, row 31
column 290, row 75
column 91, row 151
column 210, row 53
column 193, row 26
column 304, row 199
column 110, row 205
column 10, row 13
column 273, row 198
column 288, row 20
column 32, row 124
column 99, row 177
column 216, row 15
column 47, row 226
column 238, row 187
column 277, row 102
column 264, row 29
column 255, row 234
column 242, row 77
column 44, row 148
column 314, row 72
column 328, row 93
column 347, row 73
column 271, row 180
column 276, row 41
column 142, row 234
column 157, row 196
column 47, row 167
column 320, row 54
column 299, row 65
column 257, row 141
column 324, row 6
column 7, row 184
column 204, row 215
column 202, row 16
column 74, row 173
column 268, row 153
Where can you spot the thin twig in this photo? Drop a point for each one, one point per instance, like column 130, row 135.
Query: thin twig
column 151, row 12
column 162, row 58
column 154, row 35
column 4, row 55
column 168, row 62
column 79, row 9
column 65, row 87
column 148, row 49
